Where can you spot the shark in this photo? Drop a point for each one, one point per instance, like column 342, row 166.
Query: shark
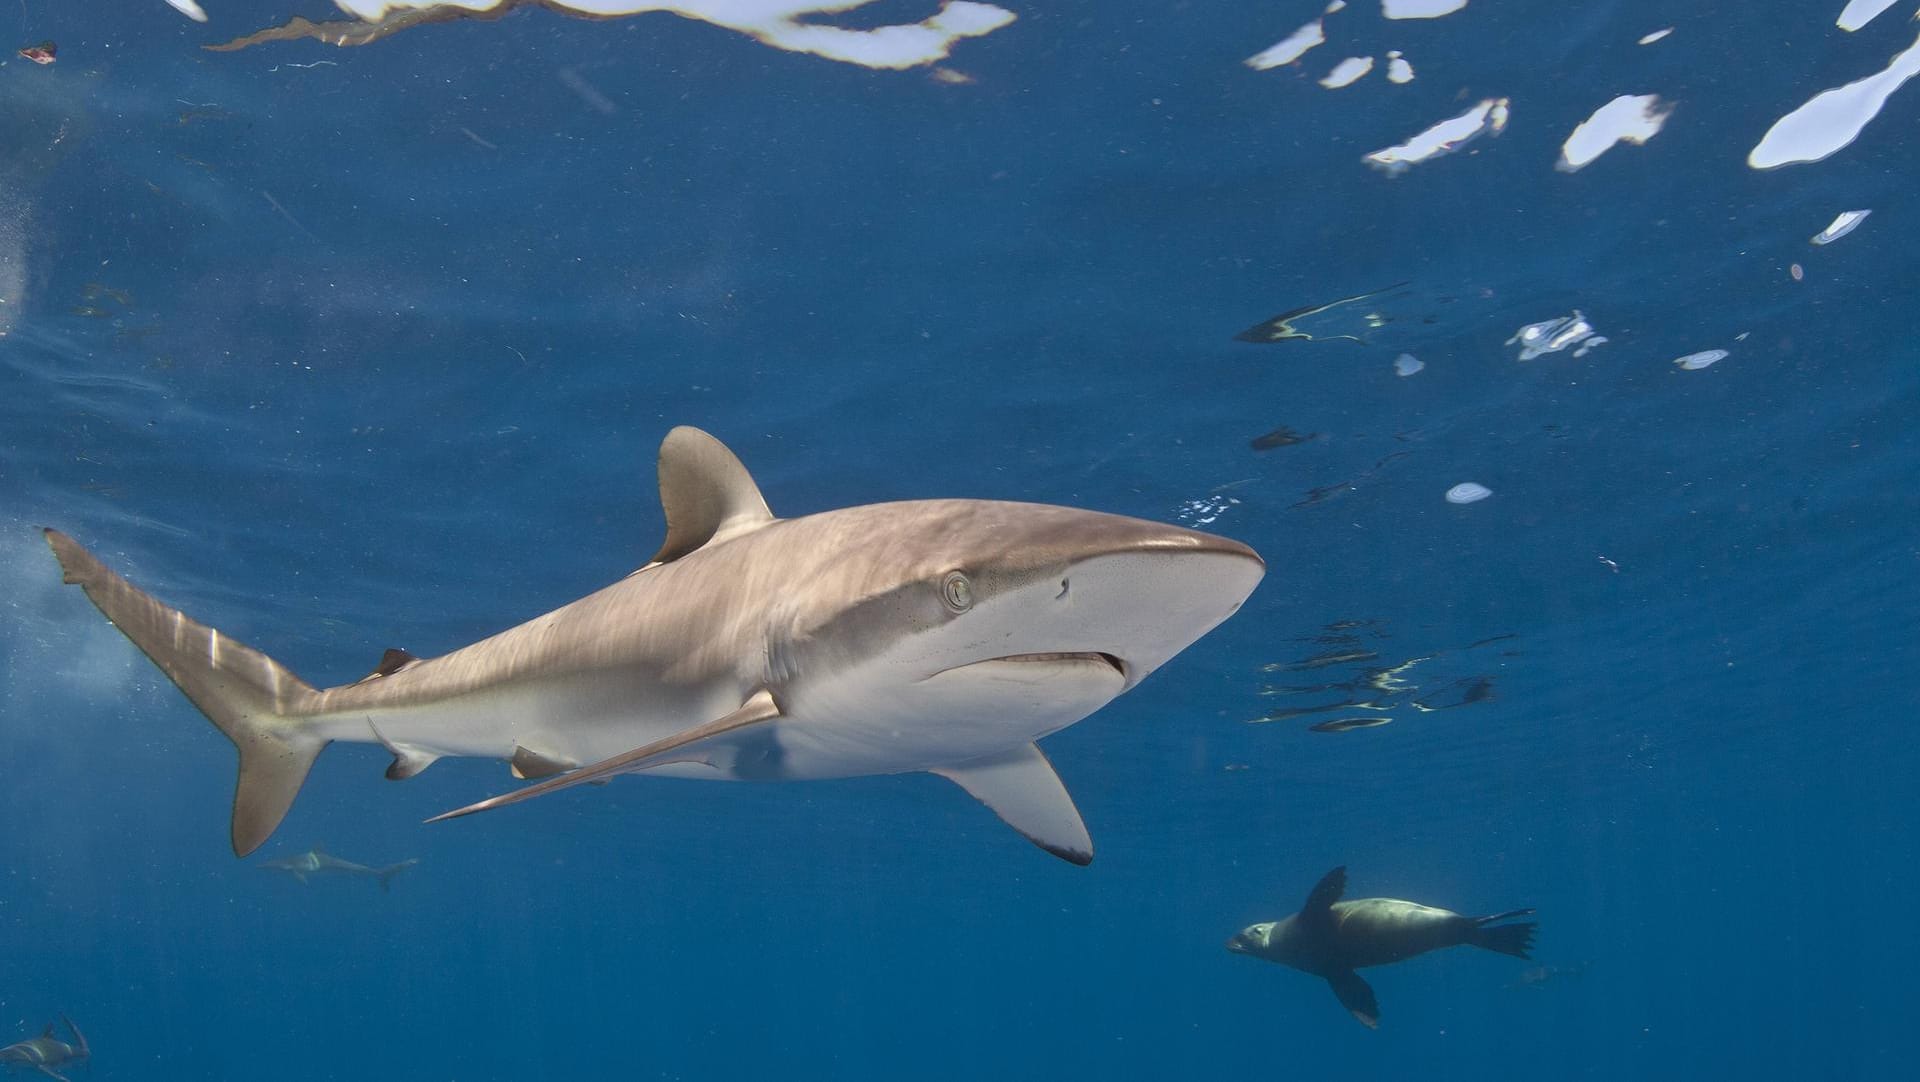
column 317, row 861
column 45, row 1052
column 944, row 636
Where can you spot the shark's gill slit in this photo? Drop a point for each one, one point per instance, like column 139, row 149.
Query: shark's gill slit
column 1063, row 591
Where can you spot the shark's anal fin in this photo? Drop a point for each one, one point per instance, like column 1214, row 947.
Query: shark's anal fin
column 1023, row 790
column 408, row 760
column 533, row 765
column 681, row 747
column 1356, row 995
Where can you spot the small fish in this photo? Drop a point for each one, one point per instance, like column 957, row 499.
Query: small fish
column 1280, row 437
column 1288, row 712
column 1331, row 657
column 1341, row 725
column 1462, row 692
column 43, row 53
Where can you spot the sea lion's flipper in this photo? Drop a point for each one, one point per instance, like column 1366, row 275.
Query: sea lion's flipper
column 1318, row 910
column 1356, row 996
column 1514, row 939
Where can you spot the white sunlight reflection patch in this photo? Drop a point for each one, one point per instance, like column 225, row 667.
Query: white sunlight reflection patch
column 1629, row 118
column 1832, row 119
column 1487, row 118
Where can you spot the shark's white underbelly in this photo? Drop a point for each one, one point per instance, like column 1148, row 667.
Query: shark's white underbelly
column 580, row 722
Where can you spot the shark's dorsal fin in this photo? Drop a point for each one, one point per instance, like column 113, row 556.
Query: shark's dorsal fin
column 48, row 1032
column 707, row 494
column 1022, row 789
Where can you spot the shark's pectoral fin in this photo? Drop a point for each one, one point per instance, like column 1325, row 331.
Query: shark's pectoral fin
column 1356, row 996
column 408, row 759
column 532, row 764
column 687, row 746
column 50, row 1072
column 1022, row 789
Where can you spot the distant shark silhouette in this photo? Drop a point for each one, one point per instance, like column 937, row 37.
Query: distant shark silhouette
column 944, row 636
column 317, row 861
column 45, row 1052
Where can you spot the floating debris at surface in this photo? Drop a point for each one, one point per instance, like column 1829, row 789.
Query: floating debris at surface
column 1341, row 725
column 1280, row 437
column 43, row 53
column 1468, row 492
column 1859, row 13
column 1706, row 358
column 1281, row 327
column 1407, row 364
column 1844, row 224
column 1347, row 72
column 1649, row 39
column 1419, row 9
column 1629, row 118
column 1551, row 335
column 1832, row 119
column 1489, row 117
column 1369, row 694
column 1398, row 70
column 790, row 25
column 1796, row 272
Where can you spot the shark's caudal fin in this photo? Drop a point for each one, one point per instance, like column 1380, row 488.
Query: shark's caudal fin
column 80, row 1049
column 1514, row 939
column 387, row 873
column 245, row 693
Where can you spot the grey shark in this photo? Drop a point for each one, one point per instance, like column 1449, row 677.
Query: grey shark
column 46, row 1052
column 945, row 636
column 317, row 861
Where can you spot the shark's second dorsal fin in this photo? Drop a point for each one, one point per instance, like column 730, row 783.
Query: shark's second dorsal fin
column 706, row 493
column 391, row 662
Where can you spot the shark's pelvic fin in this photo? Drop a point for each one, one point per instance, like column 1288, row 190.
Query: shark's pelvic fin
column 1023, row 790
column 408, row 760
column 532, row 764
column 682, row 747
column 707, row 494
column 246, row 694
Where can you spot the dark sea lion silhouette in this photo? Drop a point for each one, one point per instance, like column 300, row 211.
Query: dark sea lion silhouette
column 1330, row 938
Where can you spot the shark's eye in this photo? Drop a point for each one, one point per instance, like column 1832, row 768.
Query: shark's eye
column 956, row 592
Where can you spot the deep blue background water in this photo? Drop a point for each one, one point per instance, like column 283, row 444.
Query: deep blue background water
column 418, row 400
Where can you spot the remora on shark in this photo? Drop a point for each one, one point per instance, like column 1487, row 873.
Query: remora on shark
column 944, row 636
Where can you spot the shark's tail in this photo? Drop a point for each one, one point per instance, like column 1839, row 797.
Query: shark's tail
column 80, row 1049
column 387, row 873
column 247, row 695
column 1514, row 939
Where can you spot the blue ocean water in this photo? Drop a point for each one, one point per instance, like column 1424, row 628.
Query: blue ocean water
column 341, row 349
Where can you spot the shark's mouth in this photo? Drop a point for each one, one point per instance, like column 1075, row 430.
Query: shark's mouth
column 1100, row 658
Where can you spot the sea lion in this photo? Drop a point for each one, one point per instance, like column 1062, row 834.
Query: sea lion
column 1331, row 938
